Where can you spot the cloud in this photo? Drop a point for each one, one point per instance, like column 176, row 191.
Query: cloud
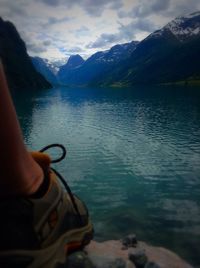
column 53, row 20
column 178, row 8
column 92, row 7
column 125, row 33
column 147, row 8
column 136, row 26
column 13, row 8
column 50, row 2
column 47, row 43
column 104, row 39
column 36, row 48
column 56, row 28
column 165, row 8
column 74, row 50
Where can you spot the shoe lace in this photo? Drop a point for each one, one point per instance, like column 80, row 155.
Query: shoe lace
column 63, row 155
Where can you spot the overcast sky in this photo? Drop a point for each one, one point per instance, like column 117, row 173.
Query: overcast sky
column 59, row 28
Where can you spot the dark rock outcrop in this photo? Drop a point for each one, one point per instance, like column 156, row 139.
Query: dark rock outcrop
column 18, row 67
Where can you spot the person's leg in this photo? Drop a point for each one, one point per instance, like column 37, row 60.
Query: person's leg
column 19, row 173
column 41, row 223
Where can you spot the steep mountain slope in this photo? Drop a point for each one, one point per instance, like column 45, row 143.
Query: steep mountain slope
column 97, row 65
column 171, row 54
column 74, row 61
column 18, row 66
column 44, row 67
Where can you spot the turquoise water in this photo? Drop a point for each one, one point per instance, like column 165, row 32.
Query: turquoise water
column 133, row 156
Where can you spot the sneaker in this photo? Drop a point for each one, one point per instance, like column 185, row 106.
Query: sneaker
column 39, row 232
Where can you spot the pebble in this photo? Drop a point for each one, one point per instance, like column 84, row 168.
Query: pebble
column 78, row 260
column 138, row 257
column 129, row 241
column 152, row 265
column 118, row 263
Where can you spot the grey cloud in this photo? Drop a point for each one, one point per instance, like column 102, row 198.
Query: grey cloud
column 74, row 50
column 47, row 43
column 178, row 8
column 166, row 8
column 50, row 2
column 125, row 33
column 136, row 26
column 92, row 7
column 53, row 20
column 81, row 32
column 13, row 8
column 35, row 48
column 96, row 7
column 159, row 5
column 146, row 8
column 83, row 29
column 116, row 4
column 104, row 39
column 124, row 14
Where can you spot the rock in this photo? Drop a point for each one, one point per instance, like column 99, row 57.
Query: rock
column 152, row 264
column 129, row 241
column 79, row 260
column 109, row 254
column 138, row 257
column 118, row 263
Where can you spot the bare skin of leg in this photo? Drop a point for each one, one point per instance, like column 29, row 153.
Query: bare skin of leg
column 19, row 173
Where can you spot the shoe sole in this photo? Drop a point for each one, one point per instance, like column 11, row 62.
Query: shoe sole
column 53, row 255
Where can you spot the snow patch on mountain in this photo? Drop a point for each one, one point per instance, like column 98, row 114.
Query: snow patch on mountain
column 182, row 27
column 116, row 53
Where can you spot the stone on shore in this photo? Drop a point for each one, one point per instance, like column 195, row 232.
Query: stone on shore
column 111, row 254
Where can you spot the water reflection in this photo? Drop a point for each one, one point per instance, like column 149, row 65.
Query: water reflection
column 133, row 156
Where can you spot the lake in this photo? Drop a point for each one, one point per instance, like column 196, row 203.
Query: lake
column 133, row 155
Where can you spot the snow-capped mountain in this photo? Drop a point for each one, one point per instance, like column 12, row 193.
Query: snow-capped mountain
column 54, row 65
column 115, row 53
column 169, row 55
column 182, row 28
column 97, row 64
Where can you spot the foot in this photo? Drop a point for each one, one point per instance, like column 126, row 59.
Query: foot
column 40, row 231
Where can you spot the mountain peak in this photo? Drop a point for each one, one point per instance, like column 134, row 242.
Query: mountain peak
column 74, row 61
column 185, row 26
column 182, row 27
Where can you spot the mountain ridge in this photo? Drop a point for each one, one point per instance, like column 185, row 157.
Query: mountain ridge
column 97, row 64
column 160, row 58
column 18, row 67
column 45, row 68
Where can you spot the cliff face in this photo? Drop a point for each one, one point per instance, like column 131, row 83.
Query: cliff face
column 18, row 67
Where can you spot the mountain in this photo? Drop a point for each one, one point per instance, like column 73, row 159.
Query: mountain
column 169, row 55
column 18, row 67
column 74, row 61
column 97, row 65
column 46, row 68
column 56, row 64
